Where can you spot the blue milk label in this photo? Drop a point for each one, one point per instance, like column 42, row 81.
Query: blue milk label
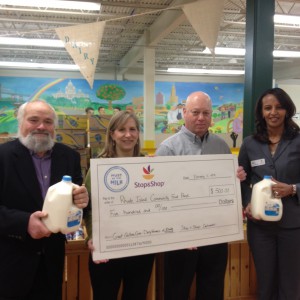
column 272, row 209
column 74, row 218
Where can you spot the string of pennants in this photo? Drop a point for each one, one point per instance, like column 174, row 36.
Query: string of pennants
column 83, row 42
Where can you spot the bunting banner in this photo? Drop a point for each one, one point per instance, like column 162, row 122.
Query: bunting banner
column 205, row 17
column 83, row 44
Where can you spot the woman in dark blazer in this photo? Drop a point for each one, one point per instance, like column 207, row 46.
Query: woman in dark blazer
column 274, row 150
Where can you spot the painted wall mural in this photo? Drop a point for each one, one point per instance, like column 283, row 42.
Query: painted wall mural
column 72, row 96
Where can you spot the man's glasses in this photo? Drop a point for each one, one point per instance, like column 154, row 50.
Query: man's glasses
column 196, row 113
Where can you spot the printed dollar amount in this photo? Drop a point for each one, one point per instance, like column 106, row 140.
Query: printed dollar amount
column 217, row 190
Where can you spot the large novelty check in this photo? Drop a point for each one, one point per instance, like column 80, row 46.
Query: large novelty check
column 156, row 204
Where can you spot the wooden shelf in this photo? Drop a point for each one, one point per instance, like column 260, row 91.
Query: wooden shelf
column 76, row 283
column 240, row 278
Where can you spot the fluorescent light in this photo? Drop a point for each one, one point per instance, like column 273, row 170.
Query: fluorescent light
column 31, row 42
column 38, row 42
column 287, row 19
column 226, row 51
column 65, row 67
column 74, row 5
column 229, row 51
column 60, row 44
column 279, row 53
column 241, row 52
column 206, row 71
column 279, row 21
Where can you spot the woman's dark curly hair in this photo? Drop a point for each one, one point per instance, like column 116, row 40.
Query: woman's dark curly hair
column 291, row 129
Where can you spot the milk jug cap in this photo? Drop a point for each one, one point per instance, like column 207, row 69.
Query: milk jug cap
column 67, row 178
column 267, row 177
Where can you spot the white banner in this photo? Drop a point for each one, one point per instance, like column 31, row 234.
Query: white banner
column 83, row 44
column 205, row 17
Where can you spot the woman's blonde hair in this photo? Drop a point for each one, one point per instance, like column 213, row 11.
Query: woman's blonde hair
column 117, row 121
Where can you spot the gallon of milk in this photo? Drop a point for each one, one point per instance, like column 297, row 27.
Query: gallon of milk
column 264, row 206
column 63, row 215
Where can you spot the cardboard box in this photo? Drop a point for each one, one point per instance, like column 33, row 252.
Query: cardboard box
column 6, row 138
column 84, row 157
column 75, row 139
column 72, row 122
column 97, row 138
column 95, row 151
column 98, row 122
column 83, row 172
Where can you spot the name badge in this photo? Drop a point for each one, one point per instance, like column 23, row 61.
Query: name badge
column 258, row 162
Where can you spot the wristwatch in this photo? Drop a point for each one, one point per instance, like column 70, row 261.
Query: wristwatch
column 294, row 189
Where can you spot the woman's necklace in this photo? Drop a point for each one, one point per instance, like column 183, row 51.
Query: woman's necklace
column 275, row 140
column 275, row 143
column 273, row 146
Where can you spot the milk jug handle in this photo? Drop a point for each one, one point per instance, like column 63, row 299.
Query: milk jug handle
column 75, row 186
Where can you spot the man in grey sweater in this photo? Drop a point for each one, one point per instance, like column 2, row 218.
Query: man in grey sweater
column 208, row 262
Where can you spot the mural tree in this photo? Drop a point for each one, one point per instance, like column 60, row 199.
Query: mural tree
column 110, row 92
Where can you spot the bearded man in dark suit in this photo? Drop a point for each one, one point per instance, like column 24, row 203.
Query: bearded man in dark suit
column 31, row 257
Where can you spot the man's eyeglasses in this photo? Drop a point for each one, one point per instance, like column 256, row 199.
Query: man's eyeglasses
column 196, row 113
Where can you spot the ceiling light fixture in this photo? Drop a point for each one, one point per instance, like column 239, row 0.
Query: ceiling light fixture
column 226, row 51
column 287, row 19
column 279, row 21
column 31, row 42
column 60, row 44
column 241, row 52
column 73, row 5
column 62, row 67
column 206, row 71
column 280, row 53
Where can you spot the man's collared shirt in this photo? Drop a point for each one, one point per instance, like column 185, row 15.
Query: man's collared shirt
column 42, row 167
column 185, row 142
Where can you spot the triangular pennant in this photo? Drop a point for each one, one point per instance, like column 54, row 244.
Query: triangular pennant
column 205, row 17
column 83, row 44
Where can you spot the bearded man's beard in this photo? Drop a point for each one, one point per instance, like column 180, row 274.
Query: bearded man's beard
column 37, row 144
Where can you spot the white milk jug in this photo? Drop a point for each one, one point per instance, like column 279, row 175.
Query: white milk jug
column 63, row 215
column 264, row 206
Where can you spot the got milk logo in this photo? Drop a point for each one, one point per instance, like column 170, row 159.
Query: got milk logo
column 116, row 179
column 147, row 173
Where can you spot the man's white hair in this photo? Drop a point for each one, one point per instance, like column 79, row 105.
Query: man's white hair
column 21, row 112
column 29, row 141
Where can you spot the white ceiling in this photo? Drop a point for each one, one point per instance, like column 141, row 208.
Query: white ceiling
column 175, row 41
